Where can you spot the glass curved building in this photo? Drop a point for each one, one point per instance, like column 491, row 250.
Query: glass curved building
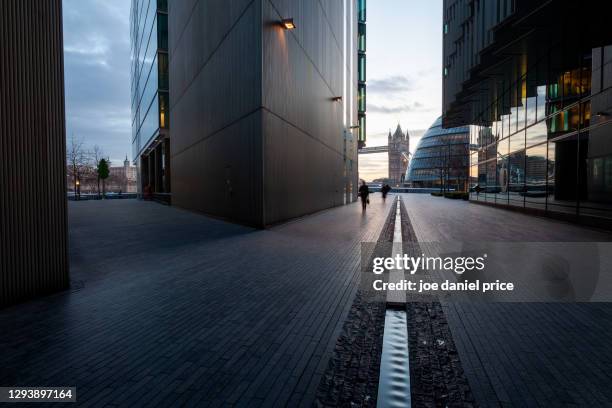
column 441, row 158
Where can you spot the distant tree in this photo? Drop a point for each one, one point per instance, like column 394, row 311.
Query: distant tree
column 77, row 160
column 97, row 154
column 103, row 173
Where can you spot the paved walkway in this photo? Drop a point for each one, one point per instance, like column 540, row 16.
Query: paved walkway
column 171, row 307
column 522, row 354
column 179, row 308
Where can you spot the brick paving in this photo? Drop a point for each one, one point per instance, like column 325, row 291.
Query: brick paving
column 352, row 375
column 437, row 377
column 174, row 308
column 522, row 354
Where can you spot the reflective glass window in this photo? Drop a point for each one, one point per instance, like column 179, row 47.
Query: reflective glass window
column 517, row 141
column 536, row 134
column 501, row 177
column 536, row 167
column 361, row 67
column 361, row 29
column 516, row 175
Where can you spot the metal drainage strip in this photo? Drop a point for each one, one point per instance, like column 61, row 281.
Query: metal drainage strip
column 394, row 379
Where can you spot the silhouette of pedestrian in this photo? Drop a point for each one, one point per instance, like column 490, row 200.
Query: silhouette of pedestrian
column 385, row 190
column 364, row 193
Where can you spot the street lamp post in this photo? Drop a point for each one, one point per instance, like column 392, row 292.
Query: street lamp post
column 78, row 186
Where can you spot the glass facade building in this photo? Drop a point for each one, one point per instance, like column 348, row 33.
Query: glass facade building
column 440, row 159
column 149, row 92
column 361, row 71
column 539, row 101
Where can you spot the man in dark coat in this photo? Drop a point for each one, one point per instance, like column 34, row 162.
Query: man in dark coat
column 364, row 193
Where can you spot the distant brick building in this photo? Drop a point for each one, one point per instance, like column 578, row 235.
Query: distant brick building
column 122, row 178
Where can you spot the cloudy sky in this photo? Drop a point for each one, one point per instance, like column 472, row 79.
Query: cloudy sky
column 97, row 74
column 404, row 73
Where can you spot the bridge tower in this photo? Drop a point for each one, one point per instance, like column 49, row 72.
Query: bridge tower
column 399, row 148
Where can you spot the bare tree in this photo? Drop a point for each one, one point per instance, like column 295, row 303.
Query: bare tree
column 442, row 167
column 97, row 154
column 77, row 160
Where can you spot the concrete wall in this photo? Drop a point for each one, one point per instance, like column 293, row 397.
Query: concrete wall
column 33, row 229
column 256, row 135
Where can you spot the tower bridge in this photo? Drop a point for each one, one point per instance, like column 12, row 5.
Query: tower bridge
column 398, row 149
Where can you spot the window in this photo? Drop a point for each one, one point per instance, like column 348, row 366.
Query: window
column 536, row 134
column 163, row 110
column 362, row 67
column 162, row 31
column 362, row 128
column 361, row 37
column 535, row 174
column 361, row 98
column 516, row 175
column 361, row 11
column 541, row 103
column 163, row 70
column 517, row 141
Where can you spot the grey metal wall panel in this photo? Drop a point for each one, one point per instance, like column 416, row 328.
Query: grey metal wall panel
column 33, row 230
column 218, row 175
column 215, row 98
column 301, row 174
column 252, row 110
column 303, row 127
column 199, row 33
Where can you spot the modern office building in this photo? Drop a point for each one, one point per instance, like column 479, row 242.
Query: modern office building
column 535, row 78
column 399, row 155
column 441, row 159
column 264, row 106
column 33, row 236
column 149, row 81
column 361, row 71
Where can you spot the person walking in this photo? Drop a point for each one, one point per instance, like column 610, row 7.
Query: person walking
column 385, row 190
column 364, row 193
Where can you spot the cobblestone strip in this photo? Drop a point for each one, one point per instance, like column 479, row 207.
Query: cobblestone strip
column 351, row 378
column 437, row 378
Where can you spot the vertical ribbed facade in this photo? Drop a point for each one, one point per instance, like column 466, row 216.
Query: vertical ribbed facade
column 33, row 230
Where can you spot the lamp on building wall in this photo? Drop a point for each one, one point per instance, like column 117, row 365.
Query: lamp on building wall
column 355, row 127
column 288, row 24
column 337, row 98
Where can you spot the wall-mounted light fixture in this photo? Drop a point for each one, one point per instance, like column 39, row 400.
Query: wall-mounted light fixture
column 288, row 24
column 337, row 98
column 355, row 127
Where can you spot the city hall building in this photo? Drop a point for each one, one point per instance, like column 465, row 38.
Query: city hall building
column 440, row 159
column 534, row 78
